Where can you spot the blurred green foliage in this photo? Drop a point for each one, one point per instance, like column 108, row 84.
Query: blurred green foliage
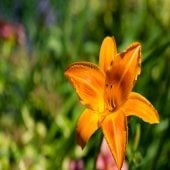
column 39, row 108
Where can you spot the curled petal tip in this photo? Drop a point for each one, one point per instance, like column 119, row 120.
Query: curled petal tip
column 157, row 119
column 80, row 141
column 136, row 44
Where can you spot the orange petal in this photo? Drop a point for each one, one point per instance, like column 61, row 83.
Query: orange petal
column 87, row 125
column 88, row 80
column 114, row 127
column 108, row 53
column 121, row 75
column 139, row 106
column 131, row 59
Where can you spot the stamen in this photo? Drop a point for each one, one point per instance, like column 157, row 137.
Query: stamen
column 113, row 103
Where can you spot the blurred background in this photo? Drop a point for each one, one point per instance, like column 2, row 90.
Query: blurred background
column 39, row 108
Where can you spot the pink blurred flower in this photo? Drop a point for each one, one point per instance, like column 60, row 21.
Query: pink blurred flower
column 76, row 165
column 105, row 159
column 12, row 31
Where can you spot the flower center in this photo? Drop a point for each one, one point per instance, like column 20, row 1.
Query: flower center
column 110, row 102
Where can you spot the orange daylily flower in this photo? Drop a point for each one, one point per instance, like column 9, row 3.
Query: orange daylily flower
column 106, row 92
